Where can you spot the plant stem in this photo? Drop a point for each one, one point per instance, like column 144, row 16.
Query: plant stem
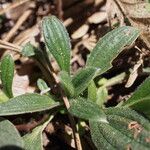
column 71, row 118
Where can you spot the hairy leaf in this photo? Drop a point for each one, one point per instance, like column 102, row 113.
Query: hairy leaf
column 33, row 140
column 7, row 74
column 9, row 136
column 140, row 100
column 86, row 109
column 102, row 95
column 27, row 103
column 82, row 79
column 28, row 50
column 126, row 130
column 110, row 46
column 66, row 83
column 57, row 41
column 92, row 91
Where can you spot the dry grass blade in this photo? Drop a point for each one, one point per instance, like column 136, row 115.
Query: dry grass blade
column 7, row 45
column 17, row 25
column 14, row 5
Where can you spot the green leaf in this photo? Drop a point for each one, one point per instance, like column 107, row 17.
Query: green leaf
column 126, row 130
column 102, row 95
column 27, row 103
column 3, row 97
column 7, row 74
column 140, row 100
column 42, row 85
column 92, row 91
column 82, row 79
column 86, row 109
column 33, row 140
column 57, row 41
column 28, row 50
column 9, row 136
column 110, row 46
column 66, row 83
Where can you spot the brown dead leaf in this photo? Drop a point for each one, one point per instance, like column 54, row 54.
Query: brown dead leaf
column 115, row 16
column 98, row 17
column 147, row 140
column 135, row 127
column 21, row 85
column 138, row 14
column 80, row 32
column 27, row 35
column 134, row 72
column 128, row 147
column 98, row 2
column 89, row 42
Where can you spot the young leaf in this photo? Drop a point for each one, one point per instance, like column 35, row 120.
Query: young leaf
column 140, row 100
column 126, row 130
column 9, row 136
column 27, row 103
column 28, row 50
column 86, row 109
column 3, row 97
column 110, row 46
column 82, row 79
column 57, row 41
column 102, row 95
column 34, row 141
column 42, row 86
column 66, row 83
column 7, row 74
column 92, row 91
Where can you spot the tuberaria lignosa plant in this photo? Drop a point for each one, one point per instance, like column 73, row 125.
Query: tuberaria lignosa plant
column 122, row 127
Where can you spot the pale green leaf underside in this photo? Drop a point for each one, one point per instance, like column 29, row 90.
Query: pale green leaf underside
column 109, row 46
column 7, row 74
column 27, row 103
column 140, row 100
column 57, row 41
column 9, row 136
column 33, row 140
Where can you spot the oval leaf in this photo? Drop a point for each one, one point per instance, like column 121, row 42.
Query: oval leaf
column 86, row 109
column 110, row 46
column 57, row 41
column 27, row 103
column 126, row 130
column 34, row 141
column 140, row 100
column 9, row 136
column 7, row 74
column 82, row 79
